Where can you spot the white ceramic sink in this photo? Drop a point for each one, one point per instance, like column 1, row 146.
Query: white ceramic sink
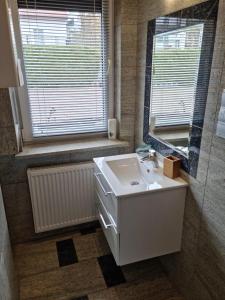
column 127, row 174
column 140, row 210
column 127, row 170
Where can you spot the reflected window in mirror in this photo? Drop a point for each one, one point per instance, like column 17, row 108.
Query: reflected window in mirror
column 175, row 70
column 178, row 65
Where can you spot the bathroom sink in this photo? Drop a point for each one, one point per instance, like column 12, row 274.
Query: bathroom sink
column 140, row 210
column 127, row 174
column 127, row 171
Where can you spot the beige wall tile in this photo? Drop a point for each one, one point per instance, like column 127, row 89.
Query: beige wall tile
column 8, row 138
column 6, row 119
column 8, row 281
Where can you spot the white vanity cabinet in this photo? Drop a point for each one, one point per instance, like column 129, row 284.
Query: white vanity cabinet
column 140, row 226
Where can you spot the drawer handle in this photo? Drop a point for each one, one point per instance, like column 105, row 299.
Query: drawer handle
column 101, row 185
column 104, row 222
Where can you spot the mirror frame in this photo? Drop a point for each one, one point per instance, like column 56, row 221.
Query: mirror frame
column 205, row 11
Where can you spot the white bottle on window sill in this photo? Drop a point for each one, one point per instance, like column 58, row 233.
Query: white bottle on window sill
column 112, row 129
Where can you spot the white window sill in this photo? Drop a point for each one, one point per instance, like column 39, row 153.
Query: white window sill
column 62, row 147
column 173, row 135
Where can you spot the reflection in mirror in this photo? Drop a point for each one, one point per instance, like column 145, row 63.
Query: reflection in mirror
column 175, row 68
column 178, row 64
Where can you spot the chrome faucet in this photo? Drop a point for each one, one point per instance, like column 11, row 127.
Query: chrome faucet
column 151, row 157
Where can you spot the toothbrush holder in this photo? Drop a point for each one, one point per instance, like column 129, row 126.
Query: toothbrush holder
column 171, row 166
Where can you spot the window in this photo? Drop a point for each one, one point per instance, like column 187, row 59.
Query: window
column 38, row 36
column 66, row 50
column 176, row 57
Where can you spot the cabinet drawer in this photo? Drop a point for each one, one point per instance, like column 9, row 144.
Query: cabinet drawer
column 109, row 230
column 106, row 195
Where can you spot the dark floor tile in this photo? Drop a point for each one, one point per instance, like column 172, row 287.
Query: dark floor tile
column 113, row 274
column 151, row 269
column 66, row 252
column 87, row 230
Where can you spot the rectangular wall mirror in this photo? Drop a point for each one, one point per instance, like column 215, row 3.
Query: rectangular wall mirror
column 178, row 65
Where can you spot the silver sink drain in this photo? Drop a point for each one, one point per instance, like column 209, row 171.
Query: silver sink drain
column 134, row 182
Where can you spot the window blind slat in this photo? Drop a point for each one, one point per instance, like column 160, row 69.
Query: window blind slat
column 62, row 5
column 66, row 52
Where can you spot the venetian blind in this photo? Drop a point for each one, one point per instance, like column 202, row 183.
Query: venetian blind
column 175, row 70
column 66, row 48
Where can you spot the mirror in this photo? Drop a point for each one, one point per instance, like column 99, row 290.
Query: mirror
column 178, row 64
column 175, row 70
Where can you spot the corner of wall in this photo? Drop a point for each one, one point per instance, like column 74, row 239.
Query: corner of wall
column 9, row 141
column 125, row 67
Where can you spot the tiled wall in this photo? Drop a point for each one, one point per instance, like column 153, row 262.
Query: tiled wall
column 8, row 141
column 125, row 66
column 199, row 269
column 8, row 286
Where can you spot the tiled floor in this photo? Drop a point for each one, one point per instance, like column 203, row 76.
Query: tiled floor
column 80, row 267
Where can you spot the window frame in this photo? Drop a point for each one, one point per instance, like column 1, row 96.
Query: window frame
column 27, row 135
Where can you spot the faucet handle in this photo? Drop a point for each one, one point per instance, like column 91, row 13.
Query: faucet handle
column 152, row 152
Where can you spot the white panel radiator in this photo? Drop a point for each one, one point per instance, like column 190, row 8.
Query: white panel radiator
column 62, row 195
